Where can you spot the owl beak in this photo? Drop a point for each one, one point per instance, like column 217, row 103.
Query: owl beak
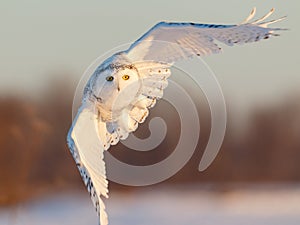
column 117, row 84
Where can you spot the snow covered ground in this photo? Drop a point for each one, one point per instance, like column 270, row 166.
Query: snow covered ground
column 184, row 206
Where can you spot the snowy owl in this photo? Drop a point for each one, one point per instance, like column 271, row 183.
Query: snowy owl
column 124, row 87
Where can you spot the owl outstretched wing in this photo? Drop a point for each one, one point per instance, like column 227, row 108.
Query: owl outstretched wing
column 87, row 151
column 170, row 42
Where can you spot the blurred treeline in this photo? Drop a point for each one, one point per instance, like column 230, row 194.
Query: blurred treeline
column 34, row 157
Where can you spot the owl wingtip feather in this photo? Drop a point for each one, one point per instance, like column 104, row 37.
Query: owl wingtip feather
column 260, row 20
column 251, row 15
column 265, row 24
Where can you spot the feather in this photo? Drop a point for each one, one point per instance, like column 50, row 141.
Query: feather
column 264, row 17
column 265, row 24
column 252, row 13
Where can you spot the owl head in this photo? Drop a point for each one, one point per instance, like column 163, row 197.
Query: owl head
column 114, row 87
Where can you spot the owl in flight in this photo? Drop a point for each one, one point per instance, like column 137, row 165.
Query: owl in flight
column 125, row 86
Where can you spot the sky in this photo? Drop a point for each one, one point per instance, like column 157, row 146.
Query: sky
column 42, row 41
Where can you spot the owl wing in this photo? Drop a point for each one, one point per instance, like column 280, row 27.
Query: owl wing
column 87, row 151
column 154, row 53
column 169, row 42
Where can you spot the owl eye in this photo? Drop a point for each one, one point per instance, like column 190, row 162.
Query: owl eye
column 125, row 77
column 109, row 78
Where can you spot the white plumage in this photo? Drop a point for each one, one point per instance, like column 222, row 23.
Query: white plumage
column 124, row 87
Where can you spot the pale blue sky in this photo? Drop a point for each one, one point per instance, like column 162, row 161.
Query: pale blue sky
column 43, row 39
